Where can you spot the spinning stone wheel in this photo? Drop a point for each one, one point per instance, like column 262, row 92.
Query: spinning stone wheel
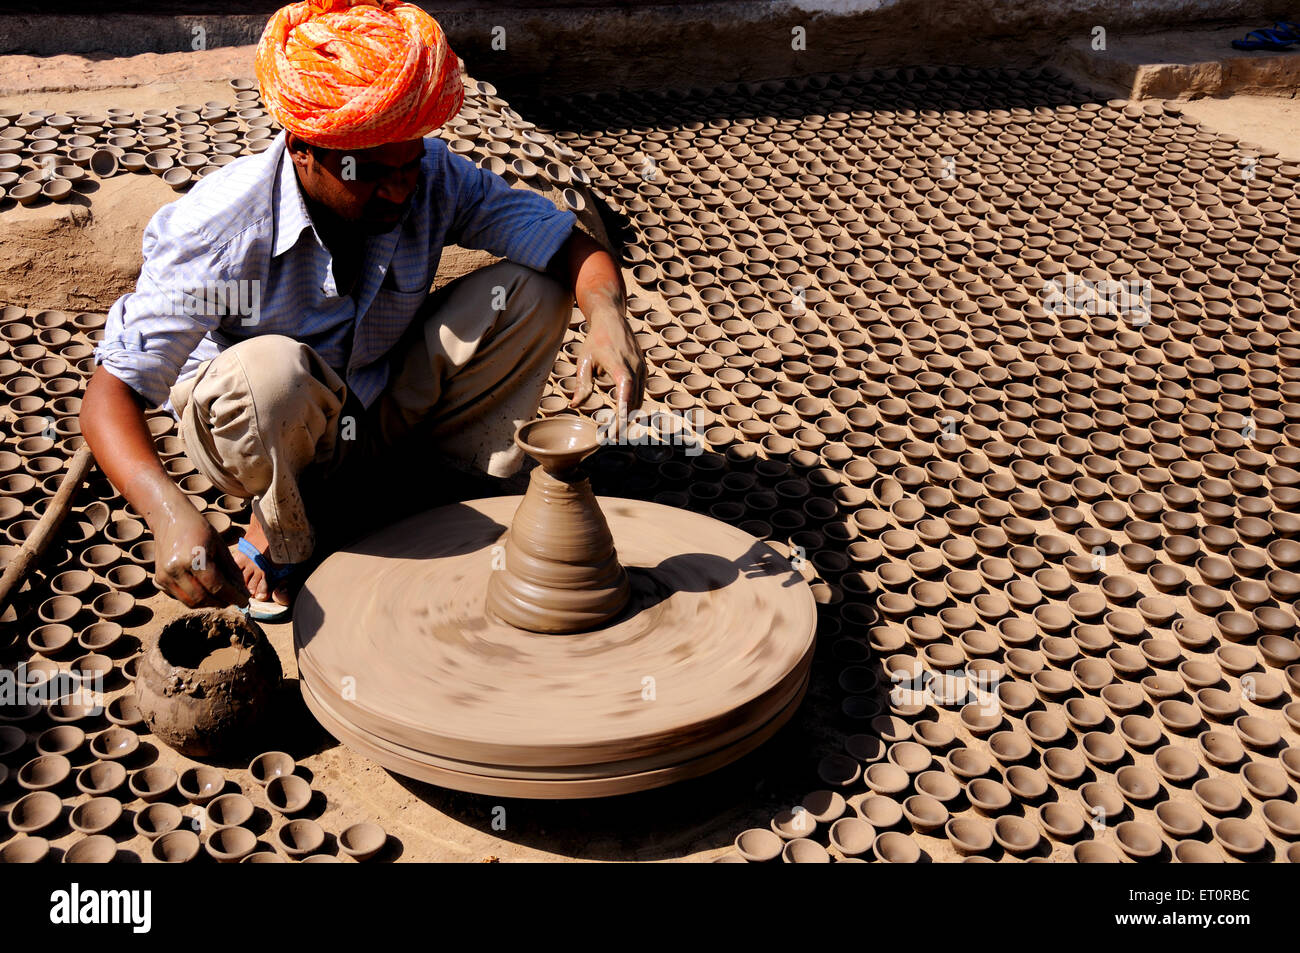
column 401, row 659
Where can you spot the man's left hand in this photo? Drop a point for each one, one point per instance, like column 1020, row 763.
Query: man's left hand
column 611, row 348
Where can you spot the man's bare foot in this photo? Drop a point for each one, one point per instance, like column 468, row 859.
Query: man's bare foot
column 254, row 578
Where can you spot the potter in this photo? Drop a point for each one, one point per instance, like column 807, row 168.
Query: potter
column 298, row 371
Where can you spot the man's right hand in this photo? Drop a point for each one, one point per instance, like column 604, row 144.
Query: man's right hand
column 193, row 564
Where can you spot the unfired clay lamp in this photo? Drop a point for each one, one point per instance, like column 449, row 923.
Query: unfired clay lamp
column 561, row 572
column 690, row 654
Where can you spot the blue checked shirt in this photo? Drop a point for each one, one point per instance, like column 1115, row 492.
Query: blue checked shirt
column 238, row 256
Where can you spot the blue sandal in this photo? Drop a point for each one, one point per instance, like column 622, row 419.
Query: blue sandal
column 267, row 610
column 1272, row 40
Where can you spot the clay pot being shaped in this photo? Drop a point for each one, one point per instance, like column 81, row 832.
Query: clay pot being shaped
column 561, row 571
column 204, row 685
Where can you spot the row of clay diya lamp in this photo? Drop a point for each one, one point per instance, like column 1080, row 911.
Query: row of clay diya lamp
column 224, row 815
column 907, row 199
column 62, row 158
column 965, row 795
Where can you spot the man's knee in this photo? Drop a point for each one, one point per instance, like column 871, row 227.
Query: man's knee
column 535, row 294
column 268, row 397
column 271, row 376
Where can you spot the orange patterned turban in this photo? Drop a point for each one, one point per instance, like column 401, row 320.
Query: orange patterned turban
column 351, row 74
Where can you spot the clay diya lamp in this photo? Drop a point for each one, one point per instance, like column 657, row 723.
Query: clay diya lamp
column 891, row 847
column 176, row 847
column 114, row 744
column 825, row 806
column 969, row 763
column 1221, row 748
column 60, row 740
column 99, row 637
column 1265, row 781
column 229, row 810
column 1138, row 785
column 1217, row 705
column 1282, row 818
column 1015, row 834
column 263, row 857
column 1290, row 759
column 987, row 796
column 1236, row 659
column 154, row 782
column 1238, row 837
column 1277, row 651
column 12, row 740
column 300, row 838
column 25, row 850
column 200, row 784
column 44, row 772
column 1064, row 765
column 288, row 794
column 1094, row 852
column 1176, row 765
column 756, row 845
column 96, row 815
column 35, row 812
column 158, row 819
column 1258, row 733
column 1103, row 749
column 230, row 845
column 1141, row 733
column 101, row 778
column 95, row 849
column 1138, row 840
column 1178, row 716
column 887, row 778
column 271, row 765
column 852, row 836
column 124, row 712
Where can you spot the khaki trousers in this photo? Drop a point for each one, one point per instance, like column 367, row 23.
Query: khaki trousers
column 268, row 410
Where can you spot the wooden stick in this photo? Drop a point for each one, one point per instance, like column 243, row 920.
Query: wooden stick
column 47, row 529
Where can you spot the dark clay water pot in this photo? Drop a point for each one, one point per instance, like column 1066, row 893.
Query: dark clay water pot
column 207, row 681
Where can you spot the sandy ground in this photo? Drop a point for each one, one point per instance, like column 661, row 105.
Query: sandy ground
column 1270, row 121
column 695, row 820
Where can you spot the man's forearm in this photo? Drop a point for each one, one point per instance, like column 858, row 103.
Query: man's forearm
column 594, row 277
column 113, row 423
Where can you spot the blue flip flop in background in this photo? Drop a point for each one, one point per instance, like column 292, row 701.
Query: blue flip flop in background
column 1287, row 30
column 1265, row 40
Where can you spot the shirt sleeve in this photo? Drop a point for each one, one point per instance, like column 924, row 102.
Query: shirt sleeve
column 517, row 224
column 151, row 331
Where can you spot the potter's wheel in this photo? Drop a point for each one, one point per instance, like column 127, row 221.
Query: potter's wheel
column 399, row 660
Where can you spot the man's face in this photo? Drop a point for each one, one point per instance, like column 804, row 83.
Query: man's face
column 368, row 187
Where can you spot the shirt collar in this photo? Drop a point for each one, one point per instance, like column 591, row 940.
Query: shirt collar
column 291, row 215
